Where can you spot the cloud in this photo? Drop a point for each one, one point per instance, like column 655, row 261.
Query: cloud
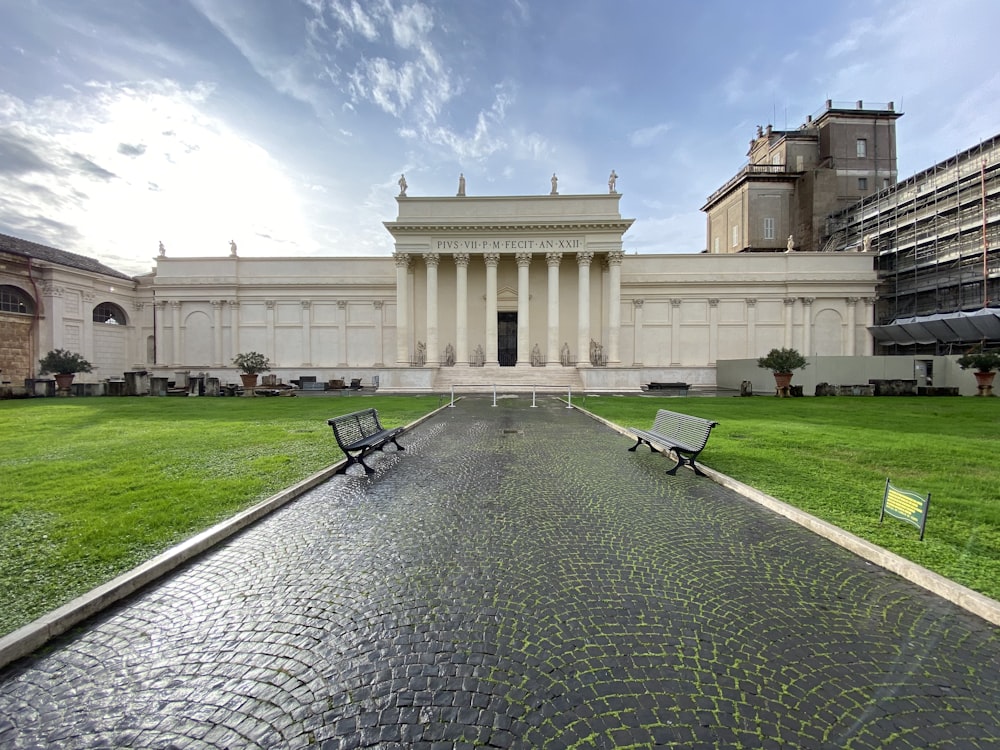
column 197, row 182
column 646, row 136
column 129, row 149
column 18, row 154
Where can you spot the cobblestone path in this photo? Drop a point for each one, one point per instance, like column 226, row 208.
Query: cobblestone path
column 517, row 578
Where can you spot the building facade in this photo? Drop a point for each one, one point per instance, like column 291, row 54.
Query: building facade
column 795, row 179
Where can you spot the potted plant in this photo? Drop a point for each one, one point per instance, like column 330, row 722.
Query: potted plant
column 251, row 364
column 64, row 365
column 782, row 362
column 985, row 364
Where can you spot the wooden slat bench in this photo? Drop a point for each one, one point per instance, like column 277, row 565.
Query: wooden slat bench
column 681, row 433
column 359, row 433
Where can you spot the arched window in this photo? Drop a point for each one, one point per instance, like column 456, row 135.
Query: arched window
column 13, row 300
column 109, row 313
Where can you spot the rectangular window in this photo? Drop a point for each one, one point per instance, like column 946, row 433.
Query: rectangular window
column 885, row 182
column 736, row 235
column 768, row 228
column 862, row 148
column 862, row 183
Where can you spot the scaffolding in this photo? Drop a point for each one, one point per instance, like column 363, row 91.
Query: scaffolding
column 935, row 237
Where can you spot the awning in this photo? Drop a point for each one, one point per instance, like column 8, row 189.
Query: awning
column 945, row 328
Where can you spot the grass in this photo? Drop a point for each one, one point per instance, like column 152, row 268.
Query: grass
column 91, row 487
column 831, row 457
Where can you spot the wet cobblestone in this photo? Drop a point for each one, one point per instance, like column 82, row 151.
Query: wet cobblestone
column 517, row 579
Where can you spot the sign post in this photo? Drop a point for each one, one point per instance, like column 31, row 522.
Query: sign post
column 909, row 507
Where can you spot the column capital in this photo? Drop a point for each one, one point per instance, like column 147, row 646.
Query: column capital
column 377, row 304
column 807, row 301
column 341, row 304
column 233, row 303
column 853, row 300
column 432, row 259
column 638, row 302
column 306, row 304
column 584, row 258
column 269, row 303
column 751, row 302
column 553, row 259
column 402, row 260
column 676, row 302
column 216, row 303
column 615, row 257
column 461, row 259
column 869, row 301
column 789, row 301
column 713, row 302
column 176, row 304
column 491, row 259
column 523, row 259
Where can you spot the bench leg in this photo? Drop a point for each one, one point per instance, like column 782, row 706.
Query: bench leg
column 686, row 461
column 639, row 442
column 359, row 459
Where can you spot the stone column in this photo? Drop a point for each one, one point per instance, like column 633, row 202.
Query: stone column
column 379, row 333
column 431, row 260
column 637, row 332
column 713, row 331
column 159, row 311
column 492, row 352
column 217, row 332
column 789, row 319
column 523, row 310
column 807, row 325
column 869, row 348
column 614, row 305
column 852, row 338
column 402, row 319
column 583, row 261
column 175, row 309
column 552, row 346
column 675, row 331
column 234, row 330
column 751, row 327
column 341, row 333
column 461, row 309
column 306, row 333
column 269, row 315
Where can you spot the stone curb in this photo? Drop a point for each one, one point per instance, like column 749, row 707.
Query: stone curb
column 966, row 598
column 37, row 633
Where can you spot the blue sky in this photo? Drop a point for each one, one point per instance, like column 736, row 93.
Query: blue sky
column 285, row 124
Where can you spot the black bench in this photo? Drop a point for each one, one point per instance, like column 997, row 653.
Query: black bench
column 359, row 433
column 679, row 388
column 683, row 434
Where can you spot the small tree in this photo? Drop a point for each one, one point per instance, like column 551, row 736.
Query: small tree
column 252, row 363
column 782, row 361
column 63, row 362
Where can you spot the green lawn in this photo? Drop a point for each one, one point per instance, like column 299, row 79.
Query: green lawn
column 91, row 487
column 831, row 457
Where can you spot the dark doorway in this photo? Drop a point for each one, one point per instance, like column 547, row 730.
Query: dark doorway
column 507, row 338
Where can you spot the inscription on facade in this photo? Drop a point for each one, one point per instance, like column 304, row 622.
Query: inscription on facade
column 519, row 244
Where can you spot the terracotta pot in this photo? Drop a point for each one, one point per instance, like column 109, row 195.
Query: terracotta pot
column 985, row 382
column 249, row 383
column 782, row 380
column 64, row 380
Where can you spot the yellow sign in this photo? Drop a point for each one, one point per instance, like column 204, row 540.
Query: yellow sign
column 907, row 506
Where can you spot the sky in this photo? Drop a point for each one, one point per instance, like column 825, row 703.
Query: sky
column 284, row 125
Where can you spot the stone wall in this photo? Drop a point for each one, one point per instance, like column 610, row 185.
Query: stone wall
column 15, row 348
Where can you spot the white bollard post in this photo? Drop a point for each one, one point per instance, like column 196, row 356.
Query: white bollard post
column 494, row 394
column 533, row 398
column 452, row 404
column 569, row 398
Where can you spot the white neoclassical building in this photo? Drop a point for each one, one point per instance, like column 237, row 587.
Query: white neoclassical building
column 513, row 290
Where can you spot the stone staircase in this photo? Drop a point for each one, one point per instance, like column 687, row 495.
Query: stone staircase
column 552, row 379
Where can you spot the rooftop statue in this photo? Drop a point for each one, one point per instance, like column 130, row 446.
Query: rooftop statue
column 402, row 186
column 555, row 185
column 461, row 185
column 612, row 181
